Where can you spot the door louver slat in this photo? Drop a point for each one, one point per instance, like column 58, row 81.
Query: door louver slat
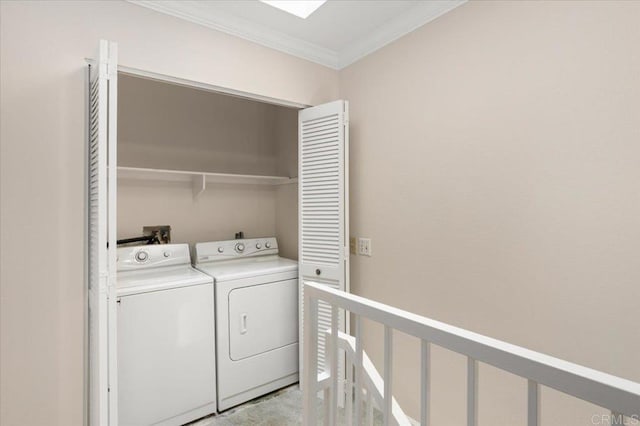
column 321, row 143
column 323, row 138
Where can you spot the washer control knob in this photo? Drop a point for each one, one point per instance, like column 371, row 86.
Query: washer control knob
column 220, row 249
column 239, row 247
column 267, row 244
column 167, row 254
column 142, row 256
column 258, row 246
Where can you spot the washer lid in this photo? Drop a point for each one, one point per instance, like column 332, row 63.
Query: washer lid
column 247, row 268
column 133, row 282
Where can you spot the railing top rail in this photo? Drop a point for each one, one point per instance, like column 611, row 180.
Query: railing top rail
column 611, row 392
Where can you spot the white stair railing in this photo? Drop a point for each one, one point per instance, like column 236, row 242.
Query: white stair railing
column 371, row 385
column 620, row 396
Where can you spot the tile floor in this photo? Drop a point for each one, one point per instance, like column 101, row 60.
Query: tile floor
column 280, row 408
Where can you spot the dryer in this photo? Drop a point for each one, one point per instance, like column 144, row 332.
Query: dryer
column 256, row 297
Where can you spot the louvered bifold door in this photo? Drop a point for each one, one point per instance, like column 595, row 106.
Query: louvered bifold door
column 101, row 241
column 323, row 208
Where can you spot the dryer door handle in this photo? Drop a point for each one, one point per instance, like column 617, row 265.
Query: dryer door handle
column 243, row 323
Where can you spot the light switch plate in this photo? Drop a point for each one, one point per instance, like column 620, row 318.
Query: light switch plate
column 364, row 246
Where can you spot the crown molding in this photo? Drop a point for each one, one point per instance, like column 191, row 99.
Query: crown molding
column 196, row 12
column 397, row 27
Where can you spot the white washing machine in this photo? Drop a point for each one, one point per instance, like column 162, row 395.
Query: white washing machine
column 256, row 317
column 166, row 337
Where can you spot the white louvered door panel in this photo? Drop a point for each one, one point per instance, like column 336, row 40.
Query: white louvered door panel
column 323, row 208
column 101, row 239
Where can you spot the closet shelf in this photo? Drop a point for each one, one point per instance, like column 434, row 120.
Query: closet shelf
column 199, row 180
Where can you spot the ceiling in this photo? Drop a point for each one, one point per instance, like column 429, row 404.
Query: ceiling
column 338, row 34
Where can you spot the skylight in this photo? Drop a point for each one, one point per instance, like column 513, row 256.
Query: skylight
column 300, row 8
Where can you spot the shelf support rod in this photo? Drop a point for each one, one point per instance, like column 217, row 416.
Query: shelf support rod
column 198, row 184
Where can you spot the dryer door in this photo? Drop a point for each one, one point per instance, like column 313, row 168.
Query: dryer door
column 262, row 318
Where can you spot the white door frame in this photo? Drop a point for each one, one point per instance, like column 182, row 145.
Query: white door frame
column 101, row 122
column 150, row 75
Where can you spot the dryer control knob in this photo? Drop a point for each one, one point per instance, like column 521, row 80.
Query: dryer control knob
column 258, row 246
column 167, row 254
column 267, row 244
column 239, row 247
column 220, row 249
column 141, row 256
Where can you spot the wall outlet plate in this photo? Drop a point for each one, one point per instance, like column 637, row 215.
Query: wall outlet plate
column 352, row 245
column 364, row 246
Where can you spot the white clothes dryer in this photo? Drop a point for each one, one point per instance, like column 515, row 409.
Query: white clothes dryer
column 166, row 337
column 256, row 317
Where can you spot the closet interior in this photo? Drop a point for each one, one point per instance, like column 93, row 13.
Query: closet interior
column 207, row 164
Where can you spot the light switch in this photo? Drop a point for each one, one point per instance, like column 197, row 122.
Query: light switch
column 364, row 246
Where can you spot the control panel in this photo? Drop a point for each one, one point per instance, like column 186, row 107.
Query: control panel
column 235, row 249
column 152, row 256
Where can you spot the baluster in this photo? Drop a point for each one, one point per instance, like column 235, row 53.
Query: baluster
column 472, row 392
column 349, row 390
column 388, row 376
column 333, row 401
column 311, row 359
column 425, row 383
column 359, row 372
column 533, row 403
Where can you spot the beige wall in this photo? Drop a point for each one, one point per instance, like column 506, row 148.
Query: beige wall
column 287, row 220
column 494, row 163
column 166, row 126
column 42, row 81
column 287, row 195
column 217, row 214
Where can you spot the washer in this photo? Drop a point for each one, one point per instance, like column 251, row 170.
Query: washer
column 166, row 337
column 256, row 317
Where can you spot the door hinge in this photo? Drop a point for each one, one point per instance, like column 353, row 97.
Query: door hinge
column 103, row 70
column 112, row 71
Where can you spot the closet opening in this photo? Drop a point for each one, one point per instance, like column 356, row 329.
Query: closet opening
column 203, row 179
column 207, row 164
column 224, row 203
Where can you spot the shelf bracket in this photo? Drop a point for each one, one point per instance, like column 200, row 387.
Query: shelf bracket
column 198, row 184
